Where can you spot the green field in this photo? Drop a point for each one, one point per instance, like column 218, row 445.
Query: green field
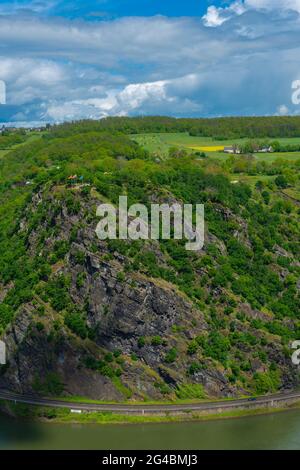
column 251, row 180
column 272, row 157
column 293, row 192
column 160, row 144
column 31, row 138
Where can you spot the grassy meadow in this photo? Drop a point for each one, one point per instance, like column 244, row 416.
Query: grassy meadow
column 160, row 144
column 31, row 138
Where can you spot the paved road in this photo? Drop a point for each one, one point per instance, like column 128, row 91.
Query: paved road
column 152, row 409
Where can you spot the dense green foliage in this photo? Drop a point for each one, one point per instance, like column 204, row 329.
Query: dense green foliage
column 252, row 256
column 8, row 139
column 220, row 128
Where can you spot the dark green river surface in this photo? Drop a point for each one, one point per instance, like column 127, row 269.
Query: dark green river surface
column 276, row 431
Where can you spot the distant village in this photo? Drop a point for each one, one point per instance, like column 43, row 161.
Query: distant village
column 23, row 130
column 235, row 149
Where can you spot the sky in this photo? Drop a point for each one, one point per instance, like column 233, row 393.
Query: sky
column 68, row 60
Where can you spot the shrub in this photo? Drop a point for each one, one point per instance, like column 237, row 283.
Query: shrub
column 39, row 326
column 107, row 371
column 192, row 347
column 108, row 357
column 79, row 257
column 73, row 206
column 120, row 277
column 171, row 355
column 190, row 391
column 80, row 279
column 163, row 388
column 77, row 324
column 281, row 182
column 51, row 385
column 141, row 342
column 194, row 368
column 266, row 382
column 156, row 341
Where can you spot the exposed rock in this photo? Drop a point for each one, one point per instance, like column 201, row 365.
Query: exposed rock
column 255, row 314
column 123, row 311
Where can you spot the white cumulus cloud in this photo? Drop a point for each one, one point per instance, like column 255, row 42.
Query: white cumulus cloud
column 273, row 4
column 216, row 16
column 283, row 110
column 133, row 97
column 59, row 69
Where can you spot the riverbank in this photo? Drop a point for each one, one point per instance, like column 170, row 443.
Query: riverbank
column 68, row 416
column 277, row 431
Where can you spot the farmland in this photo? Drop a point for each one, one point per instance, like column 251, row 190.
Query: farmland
column 263, row 167
column 29, row 138
column 160, row 143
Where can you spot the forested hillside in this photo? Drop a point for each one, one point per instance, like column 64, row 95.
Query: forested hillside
column 218, row 128
column 147, row 319
column 8, row 139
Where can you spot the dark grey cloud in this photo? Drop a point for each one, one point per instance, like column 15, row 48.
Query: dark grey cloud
column 57, row 69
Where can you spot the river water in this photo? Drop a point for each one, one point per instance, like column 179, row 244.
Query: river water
column 277, row 431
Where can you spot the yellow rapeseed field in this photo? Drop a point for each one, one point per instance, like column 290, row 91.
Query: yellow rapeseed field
column 210, row 148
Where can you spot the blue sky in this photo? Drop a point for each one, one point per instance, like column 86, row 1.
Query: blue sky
column 64, row 60
column 114, row 8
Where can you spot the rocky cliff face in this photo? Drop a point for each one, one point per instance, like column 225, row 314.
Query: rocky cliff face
column 97, row 328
